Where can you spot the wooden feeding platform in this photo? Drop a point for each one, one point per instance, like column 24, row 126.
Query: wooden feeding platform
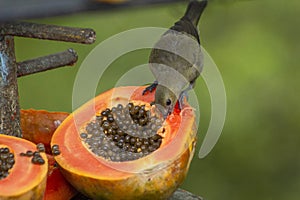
column 11, row 69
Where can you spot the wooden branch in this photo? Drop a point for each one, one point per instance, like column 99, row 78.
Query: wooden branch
column 179, row 194
column 30, row 9
column 53, row 61
column 10, row 69
column 48, row 32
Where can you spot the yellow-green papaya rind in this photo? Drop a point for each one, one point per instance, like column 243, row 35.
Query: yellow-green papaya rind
column 36, row 193
column 158, row 185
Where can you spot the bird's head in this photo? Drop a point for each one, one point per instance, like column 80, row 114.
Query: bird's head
column 165, row 100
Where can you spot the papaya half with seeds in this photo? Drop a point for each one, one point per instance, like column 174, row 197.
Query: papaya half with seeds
column 156, row 174
column 24, row 178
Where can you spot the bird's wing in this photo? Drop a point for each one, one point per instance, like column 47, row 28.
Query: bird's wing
column 179, row 51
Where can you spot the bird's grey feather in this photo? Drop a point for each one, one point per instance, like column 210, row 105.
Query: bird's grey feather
column 176, row 59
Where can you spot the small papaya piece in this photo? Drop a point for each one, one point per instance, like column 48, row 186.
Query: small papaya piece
column 38, row 126
column 57, row 186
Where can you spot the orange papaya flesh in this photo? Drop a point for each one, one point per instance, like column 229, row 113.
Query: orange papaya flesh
column 26, row 180
column 57, row 186
column 155, row 176
column 38, row 126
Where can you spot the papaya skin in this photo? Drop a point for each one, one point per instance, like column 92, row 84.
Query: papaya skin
column 38, row 126
column 155, row 176
column 26, row 180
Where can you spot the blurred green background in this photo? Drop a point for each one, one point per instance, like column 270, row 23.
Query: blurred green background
column 256, row 46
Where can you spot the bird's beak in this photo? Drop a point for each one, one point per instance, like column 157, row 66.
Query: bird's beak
column 160, row 111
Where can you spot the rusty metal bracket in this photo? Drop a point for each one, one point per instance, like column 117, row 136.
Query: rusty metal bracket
column 10, row 69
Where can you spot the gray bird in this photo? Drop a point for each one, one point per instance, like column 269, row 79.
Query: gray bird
column 176, row 60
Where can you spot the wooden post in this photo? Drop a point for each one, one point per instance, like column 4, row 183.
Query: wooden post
column 9, row 97
column 10, row 69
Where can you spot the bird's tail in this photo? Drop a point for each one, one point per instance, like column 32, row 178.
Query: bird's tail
column 194, row 11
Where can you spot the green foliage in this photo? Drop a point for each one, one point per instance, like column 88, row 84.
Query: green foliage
column 256, row 47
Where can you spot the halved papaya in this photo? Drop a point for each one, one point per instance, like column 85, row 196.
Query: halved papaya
column 153, row 176
column 27, row 174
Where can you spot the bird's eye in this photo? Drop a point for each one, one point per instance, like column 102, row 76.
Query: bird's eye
column 168, row 102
